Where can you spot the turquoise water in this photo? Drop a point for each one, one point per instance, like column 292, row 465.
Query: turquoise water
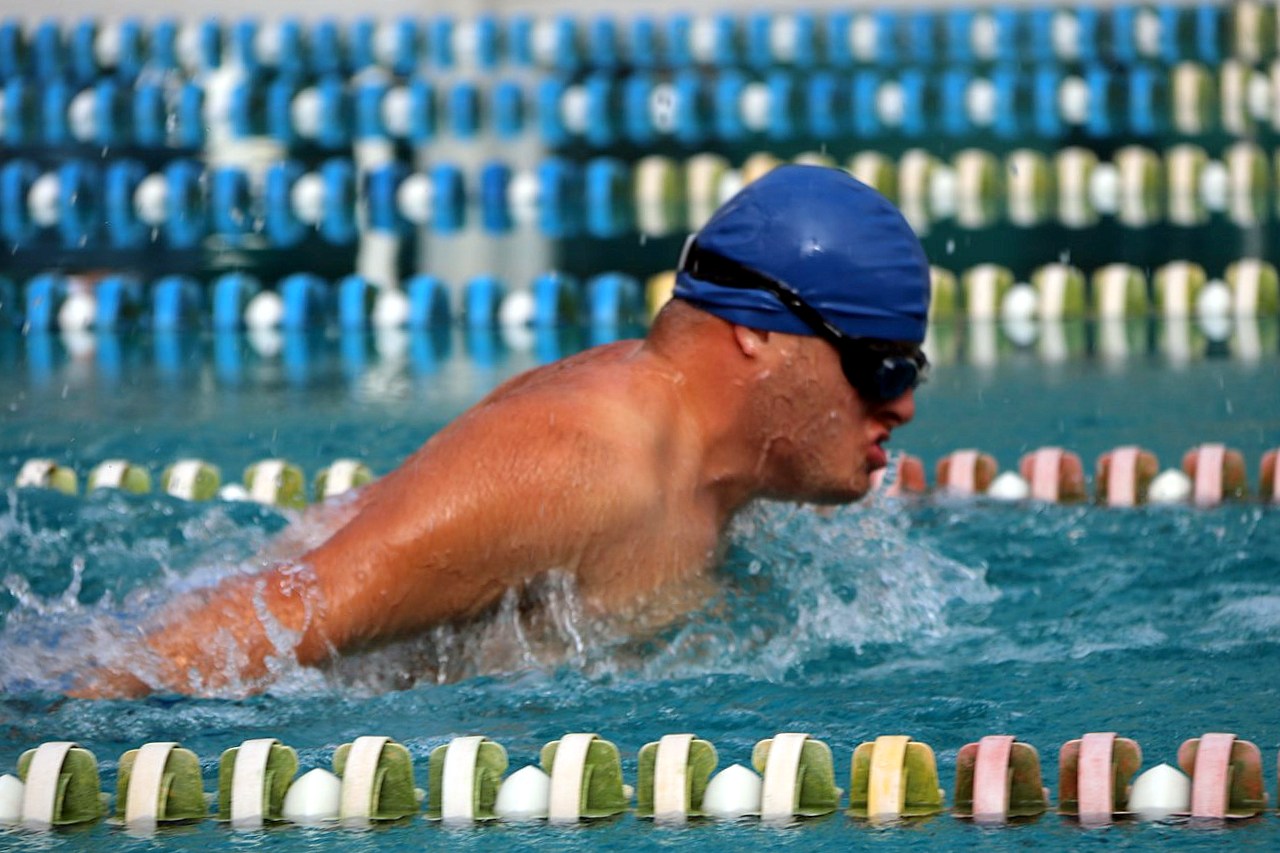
column 943, row 619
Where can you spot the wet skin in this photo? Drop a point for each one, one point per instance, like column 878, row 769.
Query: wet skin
column 620, row 467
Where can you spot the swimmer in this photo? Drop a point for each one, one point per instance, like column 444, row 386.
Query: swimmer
column 788, row 355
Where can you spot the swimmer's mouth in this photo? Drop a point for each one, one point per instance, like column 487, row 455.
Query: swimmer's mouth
column 878, row 457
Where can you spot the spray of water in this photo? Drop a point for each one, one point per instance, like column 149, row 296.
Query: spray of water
column 798, row 585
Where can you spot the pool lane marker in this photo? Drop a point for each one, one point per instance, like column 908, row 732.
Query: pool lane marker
column 567, row 778
column 1226, row 776
column 1094, row 772
column 1122, row 483
column 248, row 782
column 146, row 784
column 892, row 778
column 458, row 782
column 998, row 778
column 359, row 778
column 40, row 796
column 1208, row 481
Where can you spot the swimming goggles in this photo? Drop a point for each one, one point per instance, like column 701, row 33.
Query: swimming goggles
column 879, row 370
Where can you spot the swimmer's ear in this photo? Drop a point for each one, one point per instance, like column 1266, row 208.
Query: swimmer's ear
column 750, row 340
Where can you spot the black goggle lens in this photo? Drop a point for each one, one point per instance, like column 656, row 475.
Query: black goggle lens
column 886, row 379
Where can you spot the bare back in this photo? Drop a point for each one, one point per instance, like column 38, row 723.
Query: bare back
column 583, row 467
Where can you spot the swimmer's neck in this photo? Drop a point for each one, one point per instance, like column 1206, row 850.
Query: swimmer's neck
column 717, row 429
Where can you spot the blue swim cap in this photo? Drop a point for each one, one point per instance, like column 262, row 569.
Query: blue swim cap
column 843, row 247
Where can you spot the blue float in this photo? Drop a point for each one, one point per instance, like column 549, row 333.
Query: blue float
column 920, row 36
column 1039, row 47
column 693, row 113
column 188, row 131
column 1124, row 43
column 555, row 300
column 464, row 110
column 82, row 66
column 16, row 178
column 448, row 198
column 506, row 108
column 636, row 115
column 1104, row 102
column 957, row 32
column 188, row 219
column 520, row 40
column 560, row 208
column 954, row 118
column 363, row 32
column 488, row 42
column 231, row 294
column 293, row 49
column 482, row 298
column 276, row 112
column 565, row 53
column 551, row 127
column 280, row 222
column 759, row 47
column 1014, row 102
column 1149, row 101
column 55, row 103
column 428, row 302
column 79, row 204
column 112, row 114
column 328, row 55
column 495, row 208
column 124, row 229
column 422, row 111
column 728, row 106
column 369, row 121
column 1209, row 33
column 338, row 221
column 602, row 43
column 120, row 302
column 306, row 301
column 47, row 51
column 643, row 48
column 786, row 106
column 175, row 303
column 242, row 49
column 44, row 296
column 1093, row 33
column 864, row 96
column 334, row 129
column 439, row 43
column 231, row 203
column 356, row 299
column 916, row 101
column 614, row 299
column 604, row 109
column 824, row 105
column 1047, row 118
column 678, row 36
column 835, row 33
column 609, row 195
column 21, row 112
column 150, row 115
column 14, row 51
column 381, row 184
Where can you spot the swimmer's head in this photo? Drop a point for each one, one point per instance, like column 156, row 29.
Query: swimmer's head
column 809, row 250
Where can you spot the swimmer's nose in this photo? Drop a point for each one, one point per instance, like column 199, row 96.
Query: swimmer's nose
column 894, row 413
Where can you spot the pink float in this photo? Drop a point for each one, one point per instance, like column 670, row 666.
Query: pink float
column 1094, row 773
column 998, row 778
column 1226, row 776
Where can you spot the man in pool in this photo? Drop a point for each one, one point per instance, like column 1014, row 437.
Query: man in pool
column 788, row 355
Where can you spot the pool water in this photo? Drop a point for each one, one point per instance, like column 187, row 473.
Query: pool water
column 940, row 618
